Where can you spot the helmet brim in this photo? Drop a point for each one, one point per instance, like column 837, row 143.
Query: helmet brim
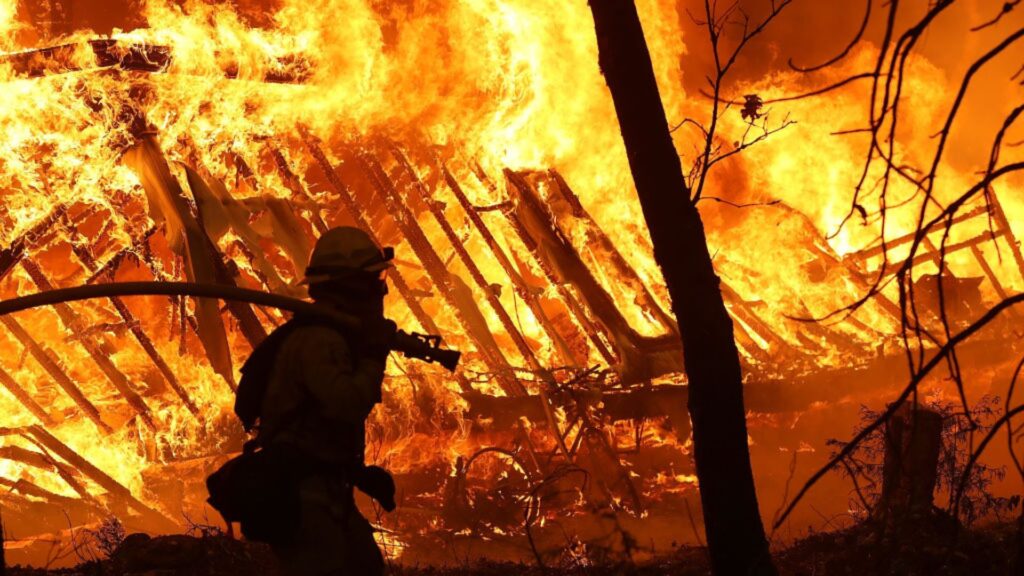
column 374, row 267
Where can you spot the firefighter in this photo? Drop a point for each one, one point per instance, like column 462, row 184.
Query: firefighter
column 322, row 386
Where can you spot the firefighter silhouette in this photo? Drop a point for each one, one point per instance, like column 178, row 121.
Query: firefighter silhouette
column 310, row 386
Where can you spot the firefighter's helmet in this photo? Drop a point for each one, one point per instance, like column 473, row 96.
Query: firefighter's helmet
column 340, row 252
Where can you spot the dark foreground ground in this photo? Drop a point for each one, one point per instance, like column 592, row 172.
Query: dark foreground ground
column 861, row 550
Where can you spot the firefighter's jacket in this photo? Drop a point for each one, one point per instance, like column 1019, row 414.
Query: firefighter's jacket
column 319, row 395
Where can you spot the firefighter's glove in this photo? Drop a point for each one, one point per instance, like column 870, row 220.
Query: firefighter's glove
column 378, row 336
column 378, row 484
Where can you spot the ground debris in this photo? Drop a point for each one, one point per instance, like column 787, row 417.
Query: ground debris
column 862, row 549
column 933, row 547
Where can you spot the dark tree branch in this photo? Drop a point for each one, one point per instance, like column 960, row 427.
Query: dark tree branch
column 846, row 51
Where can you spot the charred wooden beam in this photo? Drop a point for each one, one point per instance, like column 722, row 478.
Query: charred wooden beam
column 506, row 321
column 12, row 255
column 26, row 400
column 826, row 339
column 53, row 368
column 159, row 275
column 518, row 283
column 642, row 357
column 436, row 210
column 86, row 258
column 997, row 285
column 596, row 236
column 765, row 394
column 24, row 487
column 936, row 255
column 358, row 214
column 113, row 487
column 292, row 182
column 100, row 352
column 26, row 457
column 739, row 308
column 65, row 58
column 109, row 268
column 1005, row 228
column 134, row 57
column 439, row 275
column 44, row 461
column 598, row 334
column 878, row 249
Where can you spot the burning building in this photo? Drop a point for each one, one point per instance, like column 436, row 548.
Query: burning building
column 215, row 141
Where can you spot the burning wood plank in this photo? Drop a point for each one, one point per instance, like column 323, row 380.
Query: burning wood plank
column 45, row 461
column 26, row 400
column 596, row 237
column 87, row 260
column 1004, row 225
column 52, row 367
column 642, row 357
column 113, row 487
column 597, row 333
column 993, row 209
column 65, row 503
column 463, row 307
column 474, row 271
column 518, row 283
column 107, row 54
column 547, row 381
column 68, row 58
column 291, row 181
column 10, row 256
column 358, row 214
column 879, row 249
column 109, row 268
column 100, row 352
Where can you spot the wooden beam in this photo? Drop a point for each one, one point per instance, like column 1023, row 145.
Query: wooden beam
column 53, row 368
column 113, row 487
column 136, row 57
column 597, row 333
column 518, row 283
column 435, row 209
column 877, row 249
column 26, row 400
column 87, row 260
column 99, row 352
column 1006, row 229
column 439, row 275
column 358, row 213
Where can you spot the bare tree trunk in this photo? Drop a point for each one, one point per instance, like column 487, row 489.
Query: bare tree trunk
column 732, row 520
column 913, row 439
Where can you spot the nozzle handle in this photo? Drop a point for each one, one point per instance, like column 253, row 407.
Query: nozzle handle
column 426, row 347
